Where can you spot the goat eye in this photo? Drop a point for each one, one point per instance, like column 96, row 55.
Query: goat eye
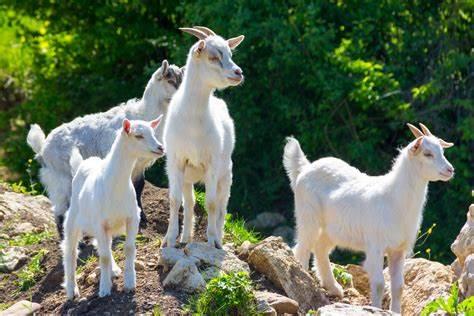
column 428, row 154
column 139, row 137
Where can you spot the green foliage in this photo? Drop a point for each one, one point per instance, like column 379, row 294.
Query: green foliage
column 236, row 232
column 343, row 77
column 200, row 199
column 26, row 239
column 450, row 304
column 28, row 276
column 85, row 263
column 228, row 294
column 341, row 275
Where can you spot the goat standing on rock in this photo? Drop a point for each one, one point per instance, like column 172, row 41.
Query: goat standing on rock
column 199, row 135
column 337, row 205
column 103, row 203
column 94, row 134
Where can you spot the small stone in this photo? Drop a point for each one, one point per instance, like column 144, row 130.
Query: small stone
column 263, row 308
column 91, row 278
column 139, row 265
column 22, row 308
column 281, row 304
column 185, row 276
column 12, row 258
column 244, row 250
column 24, row 228
column 340, row 309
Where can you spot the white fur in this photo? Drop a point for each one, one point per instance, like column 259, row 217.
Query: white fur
column 94, row 134
column 337, row 205
column 199, row 137
column 103, row 204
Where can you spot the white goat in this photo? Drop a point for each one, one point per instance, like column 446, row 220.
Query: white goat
column 94, row 134
column 103, row 203
column 337, row 205
column 199, row 135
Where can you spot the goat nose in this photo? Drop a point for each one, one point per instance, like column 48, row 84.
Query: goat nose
column 161, row 148
column 238, row 71
column 450, row 169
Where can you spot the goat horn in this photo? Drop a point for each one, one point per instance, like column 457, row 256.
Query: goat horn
column 416, row 132
column 445, row 144
column 199, row 34
column 425, row 130
column 204, row 29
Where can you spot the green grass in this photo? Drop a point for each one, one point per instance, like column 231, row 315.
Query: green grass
column 236, row 232
column 342, row 276
column 228, row 294
column 28, row 276
column 4, row 306
column 85, row 263
column 450, row 305
column 200, row 199
column 157, row 311
column 26, row 239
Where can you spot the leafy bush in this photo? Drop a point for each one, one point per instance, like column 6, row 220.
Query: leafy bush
column 341, row 275
column 450, row 304
column 228, row 294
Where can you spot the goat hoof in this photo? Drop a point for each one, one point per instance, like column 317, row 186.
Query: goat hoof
column 214, row 243
column 336, row 290
column 168, row 242
column 186, row 240
column 104, row 293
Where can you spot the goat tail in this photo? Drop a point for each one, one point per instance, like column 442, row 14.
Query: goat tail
column 294, row 159
column 75, row 160
column 36, row 138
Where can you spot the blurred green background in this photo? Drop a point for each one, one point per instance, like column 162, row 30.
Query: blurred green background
column 342, row 76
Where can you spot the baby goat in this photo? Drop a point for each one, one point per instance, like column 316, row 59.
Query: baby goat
column 94, row 134
column 103, row 203
column 337, row 205
column 199, row 135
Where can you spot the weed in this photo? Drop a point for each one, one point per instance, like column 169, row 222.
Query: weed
column 450, row 305
column 85, row 263
column 228, row 294
column 26, row 239
column 28, row 276
column 341, row 275
column 237, row 233
column 201, row 199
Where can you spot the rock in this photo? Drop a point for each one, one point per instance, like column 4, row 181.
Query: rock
column 220, row 258
column 281, row 304
column 263, row 308
column 169, row 256
column 19, row 208
column 91, row 278
column 266, row 220
column 24, row 228
column 273, row 258
column 244, row 250
column 286, row 232
column 424, row 281
column 185, row 276
column 22, row 308
column 467, row 277
column 360, row 279
column 12, row 258
column 340, row 309
column 139, row 265
column 463, row 246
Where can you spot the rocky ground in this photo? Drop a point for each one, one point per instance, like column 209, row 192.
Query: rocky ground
column 31, row 269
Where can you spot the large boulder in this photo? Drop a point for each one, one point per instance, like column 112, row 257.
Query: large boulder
column 424, row 281
column 12, row 258
column 266, row 220
column 273, row 258
column 196, row 263
column 340, row 309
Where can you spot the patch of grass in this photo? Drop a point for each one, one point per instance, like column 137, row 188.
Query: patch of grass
column 200, row 199
column 236, row 232
column 341, row 275
column 85, row 263
column 4, row 306
column 28, row 276
column 157, row 311
column 228, row 294
column 450, row 304
column 26, row 239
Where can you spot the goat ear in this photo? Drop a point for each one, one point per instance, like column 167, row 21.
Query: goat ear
column 416, row 132
column 154, row 124
column 445, row 144
column 425, row 130
column 235, row 41
column 164, row 67
column 415, row 146
column 200, row 47
column 126, row 126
